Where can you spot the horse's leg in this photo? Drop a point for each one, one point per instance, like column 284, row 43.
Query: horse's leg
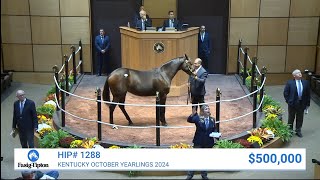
column 122, row 100
column 163, row 99
column 111, row 108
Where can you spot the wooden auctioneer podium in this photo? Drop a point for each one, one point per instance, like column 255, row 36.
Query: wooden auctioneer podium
column 142, row 50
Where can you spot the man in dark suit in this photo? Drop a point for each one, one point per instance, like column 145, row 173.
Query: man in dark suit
column 137, row 15
column 143, row 22
column 171, row 21
column 205, row 125
column 197, row 83
column 102, row 44
column 297, row 96
column 204, row 46
column 25, row 119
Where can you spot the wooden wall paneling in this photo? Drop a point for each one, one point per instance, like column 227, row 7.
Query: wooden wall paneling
column 74, row 7
column 305, row 8
column 272, row 57
column 274, row 8
column 17, row 57
column 16, row 29
column 46, row 30
column 44, row 7
column 300, row 57
column 15, row 7
column 303, row 31
column 46, row 56
column 245, row 8
column 273, row 31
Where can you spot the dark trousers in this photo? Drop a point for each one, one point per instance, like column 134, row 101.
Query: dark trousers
column 203, row 173
column 26, row 139
column 100, row 60
column 197, row 99
column 295, row 113
column 205, row 58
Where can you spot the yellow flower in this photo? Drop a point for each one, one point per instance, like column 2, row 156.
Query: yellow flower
column 257, row 139
column 181, row 146
column 114, row 147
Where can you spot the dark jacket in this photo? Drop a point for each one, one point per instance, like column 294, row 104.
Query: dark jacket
column 28, row 120
column 201, row 136
column 166, row 24
column 197, row 86
column 100, row 45
column 137, row 17
column 147, row 23
column 204, row 47
column 290, row 93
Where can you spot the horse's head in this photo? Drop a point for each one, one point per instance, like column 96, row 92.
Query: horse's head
column 187, row 65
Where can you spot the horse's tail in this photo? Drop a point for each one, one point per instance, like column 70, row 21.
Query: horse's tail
column 106, row 91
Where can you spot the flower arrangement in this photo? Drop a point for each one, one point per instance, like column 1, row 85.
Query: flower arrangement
column 76, row 144
column 46, row 110
column 45, row 131
column 181, row 146
column 227, row 144
column 254, row 139
column 245, row 143
column 66, row 141
column 44, row 119
column 272, row 110
column 264, row 134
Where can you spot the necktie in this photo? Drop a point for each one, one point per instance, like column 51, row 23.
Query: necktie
column 207, row 123
column 171, row 23
column 102, row 38
column 299, row 89
column 21, row 107
column 202, row 36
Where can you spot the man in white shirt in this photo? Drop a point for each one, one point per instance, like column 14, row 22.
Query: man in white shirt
column 297, row 96
column 197, row 83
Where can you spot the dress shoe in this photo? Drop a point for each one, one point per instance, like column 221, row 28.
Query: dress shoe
column 205, row 177
column 299, row 134
column 189, row 177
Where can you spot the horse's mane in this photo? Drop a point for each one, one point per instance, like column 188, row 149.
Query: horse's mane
column 178, row 58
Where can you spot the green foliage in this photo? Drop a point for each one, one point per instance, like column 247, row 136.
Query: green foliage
column 269, row 101
column 46, row 110
column 52, row 90
column 279, row 128
column 134, row 147
column 227, row 144
column 134, row 173
column 51, row 140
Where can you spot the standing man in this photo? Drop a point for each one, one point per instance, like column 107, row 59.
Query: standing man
column 205, row 125
column 197, row 83
column 143, row 22
column 204, row 46
column 297, row 96
column 102, row 44
column 171, row 22
column 25, row 119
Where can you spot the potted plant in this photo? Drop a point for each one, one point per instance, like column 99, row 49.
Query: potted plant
column 227, row 144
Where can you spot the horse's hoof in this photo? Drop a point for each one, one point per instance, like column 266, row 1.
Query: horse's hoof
column 130, row 123
column 164, row 124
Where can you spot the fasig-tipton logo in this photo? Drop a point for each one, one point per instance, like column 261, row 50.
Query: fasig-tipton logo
column 33, row 156
column 158, row 47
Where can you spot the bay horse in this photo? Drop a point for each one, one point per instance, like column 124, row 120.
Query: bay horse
column 143, row 83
